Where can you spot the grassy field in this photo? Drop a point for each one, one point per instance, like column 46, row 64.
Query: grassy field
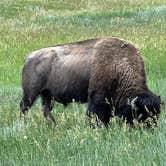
column 29, row 25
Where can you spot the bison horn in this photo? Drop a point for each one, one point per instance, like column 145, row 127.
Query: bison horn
column 146, row 109
column 133, row 105
column 140, row 116
column 155, row 110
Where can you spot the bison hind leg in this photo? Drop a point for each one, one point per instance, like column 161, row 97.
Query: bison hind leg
column 26, row 103
column 47, row 105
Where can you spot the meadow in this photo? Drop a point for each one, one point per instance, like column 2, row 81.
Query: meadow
column 27, row 25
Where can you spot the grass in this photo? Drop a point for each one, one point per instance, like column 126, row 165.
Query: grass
column 30, row 25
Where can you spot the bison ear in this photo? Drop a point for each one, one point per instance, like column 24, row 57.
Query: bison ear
column 133, row 103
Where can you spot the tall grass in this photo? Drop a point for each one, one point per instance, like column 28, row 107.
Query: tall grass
column 30, row 25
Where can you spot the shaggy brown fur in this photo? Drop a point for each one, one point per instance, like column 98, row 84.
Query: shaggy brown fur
column 106, row 72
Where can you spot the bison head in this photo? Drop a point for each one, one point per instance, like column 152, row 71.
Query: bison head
column 146, row 108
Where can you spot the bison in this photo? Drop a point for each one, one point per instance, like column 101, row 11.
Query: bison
column 108, row 73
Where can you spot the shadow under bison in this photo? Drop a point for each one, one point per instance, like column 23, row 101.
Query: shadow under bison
column 108, row 73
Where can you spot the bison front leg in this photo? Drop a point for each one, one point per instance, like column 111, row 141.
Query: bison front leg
column 47, row 105
column 99, row 108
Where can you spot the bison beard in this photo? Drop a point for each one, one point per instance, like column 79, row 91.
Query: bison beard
column 108, row 73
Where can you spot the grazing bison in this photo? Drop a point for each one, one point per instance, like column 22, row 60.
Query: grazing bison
column 108, row 73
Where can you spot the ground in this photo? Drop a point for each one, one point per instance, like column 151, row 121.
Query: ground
column 29, row 25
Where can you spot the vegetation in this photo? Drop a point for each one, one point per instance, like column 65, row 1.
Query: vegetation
column 29, row 25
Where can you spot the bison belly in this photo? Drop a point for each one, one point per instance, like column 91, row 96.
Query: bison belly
column 69, row 81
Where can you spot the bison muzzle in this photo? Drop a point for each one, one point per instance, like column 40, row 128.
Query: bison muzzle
column 108, row 73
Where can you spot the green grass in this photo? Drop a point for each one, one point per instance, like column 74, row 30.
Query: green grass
column 30, row 25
